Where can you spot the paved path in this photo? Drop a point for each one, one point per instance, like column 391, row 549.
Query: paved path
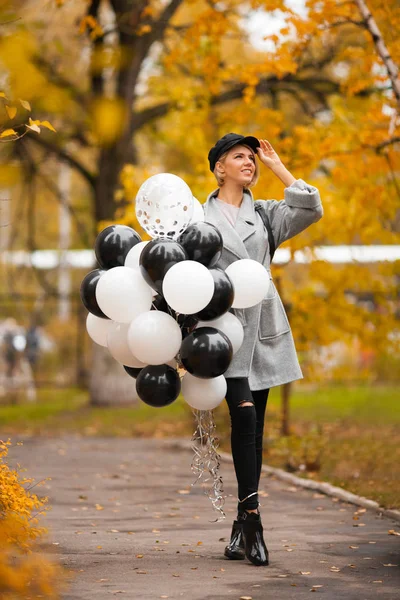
column 124, row 523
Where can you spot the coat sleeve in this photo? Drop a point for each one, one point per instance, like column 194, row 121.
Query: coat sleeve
column 300, row 208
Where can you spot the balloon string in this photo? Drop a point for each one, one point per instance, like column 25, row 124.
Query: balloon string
column 206, row 461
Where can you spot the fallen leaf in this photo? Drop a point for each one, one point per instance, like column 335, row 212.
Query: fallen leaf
column 99, row 580
column 99, row 547
column 99, row 507
column 139, row 555
column 246, row 598
column 282, row 576
column 183, row 492
column 289, row 549
column 393, row 532
column 114, row 530
column 335, row 570
column 378, row 581
column 155, row 531
column 354, row 547
column 175, row 575
column 141, row 572
column 199, row 544
column 390, row 565
column 305, row 572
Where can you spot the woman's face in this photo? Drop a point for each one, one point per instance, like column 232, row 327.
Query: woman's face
column 239, row 165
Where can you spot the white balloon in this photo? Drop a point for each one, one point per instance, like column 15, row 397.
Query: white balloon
column 203, row 394
column 123, row 294
column 117, row 342
column 164, row 205
column 132, row 258
column 230, row 325
column 250, row 280
column 198, row 212
column 98, row 329
column 154, row 337
column 188, row 287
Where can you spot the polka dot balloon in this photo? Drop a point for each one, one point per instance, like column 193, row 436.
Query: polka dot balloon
column 164, row 205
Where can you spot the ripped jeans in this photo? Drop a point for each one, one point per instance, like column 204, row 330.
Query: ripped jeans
column 247, row 411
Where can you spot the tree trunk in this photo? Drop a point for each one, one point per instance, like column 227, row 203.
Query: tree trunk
column 285, row 405
column 109, row 384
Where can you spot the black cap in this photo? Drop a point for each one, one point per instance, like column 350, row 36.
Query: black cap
column 227, row 142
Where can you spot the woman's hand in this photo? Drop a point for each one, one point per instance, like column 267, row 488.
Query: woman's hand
column 270, row 159
column 267, row 155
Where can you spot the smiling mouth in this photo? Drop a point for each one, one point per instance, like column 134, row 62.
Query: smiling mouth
column 248, row 171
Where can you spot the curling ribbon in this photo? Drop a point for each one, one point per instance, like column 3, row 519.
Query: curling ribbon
column 206, row 461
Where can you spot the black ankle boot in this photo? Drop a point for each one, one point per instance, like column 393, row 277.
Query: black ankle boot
column 255, row 549
column 235, row 549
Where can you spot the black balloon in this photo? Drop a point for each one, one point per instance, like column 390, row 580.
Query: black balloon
column 206, row 352
column 158, row 385
column 132, row 371
column 113, row 244
column 88, row 293
column 203, row 243
column 222, row 298
column 157, row 257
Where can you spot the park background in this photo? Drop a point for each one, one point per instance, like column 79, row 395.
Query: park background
column 97, row 96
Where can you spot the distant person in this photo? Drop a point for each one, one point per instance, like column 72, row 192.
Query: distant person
column 267, row 357
column 32, row 346
column 10, row 347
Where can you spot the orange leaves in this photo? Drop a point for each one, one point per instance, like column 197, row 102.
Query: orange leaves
column 91, row 25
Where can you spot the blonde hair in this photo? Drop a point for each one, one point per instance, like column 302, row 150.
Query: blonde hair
column 220, row 179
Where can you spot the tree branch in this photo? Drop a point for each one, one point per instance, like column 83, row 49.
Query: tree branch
column 63, row 155
column 381, row 48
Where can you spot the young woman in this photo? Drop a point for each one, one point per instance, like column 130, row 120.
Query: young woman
column 267, row 357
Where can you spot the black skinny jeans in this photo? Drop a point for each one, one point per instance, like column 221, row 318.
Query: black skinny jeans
column 247, row 428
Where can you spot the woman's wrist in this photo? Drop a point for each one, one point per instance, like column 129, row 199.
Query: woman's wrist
column 283, row 174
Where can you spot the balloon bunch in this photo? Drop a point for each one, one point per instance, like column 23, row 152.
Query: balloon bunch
column 163, row 305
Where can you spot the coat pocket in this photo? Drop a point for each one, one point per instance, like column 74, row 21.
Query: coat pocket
column 273, row 319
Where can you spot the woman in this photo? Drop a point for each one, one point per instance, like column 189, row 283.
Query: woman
column 267, row 356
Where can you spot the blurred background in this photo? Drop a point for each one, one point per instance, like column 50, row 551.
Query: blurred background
column 97, row 96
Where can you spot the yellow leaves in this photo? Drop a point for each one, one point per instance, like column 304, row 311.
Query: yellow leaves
column 2, row 95
column 108, row 118
column 25, row 105
column 34, row 125
column 11, row 111
column 8, row 133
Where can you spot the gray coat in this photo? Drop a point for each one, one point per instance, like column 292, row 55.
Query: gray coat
column 268, row 354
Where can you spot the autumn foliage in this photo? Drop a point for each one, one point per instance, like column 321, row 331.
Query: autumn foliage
column 133, row 89
column 23, row 572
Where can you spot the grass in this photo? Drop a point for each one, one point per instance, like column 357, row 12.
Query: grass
column 346, row 435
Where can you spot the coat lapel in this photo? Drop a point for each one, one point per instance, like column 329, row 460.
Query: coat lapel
column 234, row 238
